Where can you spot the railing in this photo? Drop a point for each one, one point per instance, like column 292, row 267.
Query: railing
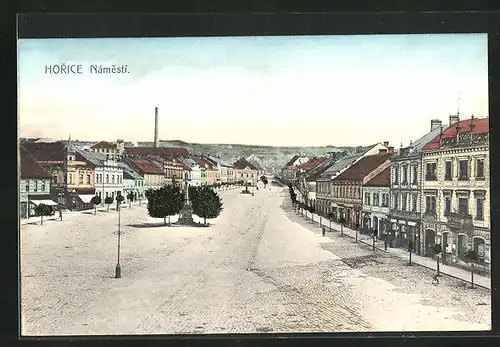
column 404, row 214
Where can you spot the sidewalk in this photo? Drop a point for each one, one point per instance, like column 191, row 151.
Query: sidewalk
column 68, row 213
column 429, row 263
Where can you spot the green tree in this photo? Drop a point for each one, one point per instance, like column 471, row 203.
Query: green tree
column 96, row 200
column 206, row 203
column 43, row 210
column 164, row 202
column 108, row 201
column 130, row 198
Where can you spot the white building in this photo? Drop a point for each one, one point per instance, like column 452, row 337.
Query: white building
column 132, row 182
column 245, row 172
column 194, row 172
column 108, row 175
column 375, row 206
column 456, row 191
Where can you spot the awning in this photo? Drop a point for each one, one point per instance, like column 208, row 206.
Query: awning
column 86, row 198
column 44, row 202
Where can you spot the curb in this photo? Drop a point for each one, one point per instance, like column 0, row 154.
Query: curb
column 392, row 254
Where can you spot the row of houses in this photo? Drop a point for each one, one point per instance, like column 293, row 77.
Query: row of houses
column 59, row 173
column 436, row 190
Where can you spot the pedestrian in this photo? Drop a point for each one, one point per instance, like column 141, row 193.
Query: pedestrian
column 385, row 244
column 323, row 231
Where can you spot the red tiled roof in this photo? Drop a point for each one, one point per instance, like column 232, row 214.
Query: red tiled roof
column 30, row 167
column 184, row 165
column 291, row 161
column 161, row 151
column 242, row 163
column 380, row 180
column 202, row 162
column 46, row 151
column 364, row 166
column 481, row 126
column 311, row 163
column 145, row 166
column 103, row 144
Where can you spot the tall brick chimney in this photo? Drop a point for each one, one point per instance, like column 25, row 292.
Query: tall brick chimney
column 156, row 128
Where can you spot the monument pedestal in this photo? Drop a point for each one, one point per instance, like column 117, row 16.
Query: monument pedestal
column 186, row 216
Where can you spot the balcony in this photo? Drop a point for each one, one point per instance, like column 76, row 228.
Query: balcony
column 429, row 215
column 404, row 214
column 460, row 220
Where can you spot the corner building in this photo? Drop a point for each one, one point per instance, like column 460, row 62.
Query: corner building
column 456, row 191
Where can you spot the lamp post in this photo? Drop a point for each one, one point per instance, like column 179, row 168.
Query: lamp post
column 118, row 269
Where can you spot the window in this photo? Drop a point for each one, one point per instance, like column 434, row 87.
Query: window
column 367, row 198
column 447, row 205
column 405, row 175
column 463, row 206
column 430, row 173
column 71, row 178
column 430, row 205
column 113, row 179
column 242, row 174
column 396, row 175
column 480, row 168
column 395, row 198
column 88, row 178
column 376, row 199
column 107, row 178
column 447, row 171
column 27, row 186
column 36, row 186
column 480, row 208
column 414, row 199
column 80, row 176
column 414, row 175
column 54, row 179
column 43, row 186
column 464, row 170
column 404, row 201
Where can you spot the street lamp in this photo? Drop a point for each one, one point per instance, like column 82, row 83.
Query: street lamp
column 118, row 269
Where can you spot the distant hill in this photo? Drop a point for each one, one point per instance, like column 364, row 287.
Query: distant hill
column 271, row 157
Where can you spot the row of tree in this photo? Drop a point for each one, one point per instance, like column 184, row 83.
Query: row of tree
column 168, row 201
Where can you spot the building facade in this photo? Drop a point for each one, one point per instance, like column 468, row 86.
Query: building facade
column 347, row 187
column 325, row 202
column 34, row 185
column 376, row 204
column 152, row 172
column 133, row 182
column 406, row 192
column 246, row 172
column 456, row 191
column 108, row 174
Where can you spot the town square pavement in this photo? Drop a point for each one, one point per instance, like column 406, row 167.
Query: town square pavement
column 258, row 267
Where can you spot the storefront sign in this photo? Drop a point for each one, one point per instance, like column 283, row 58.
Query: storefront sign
column 487, row 254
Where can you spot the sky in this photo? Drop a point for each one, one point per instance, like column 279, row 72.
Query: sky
column 274, row 90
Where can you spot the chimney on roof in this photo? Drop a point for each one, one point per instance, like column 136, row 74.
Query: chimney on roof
column 386, row 143
column 156, row 128
column 436, row 123
column 454, row 118
column 390, row 149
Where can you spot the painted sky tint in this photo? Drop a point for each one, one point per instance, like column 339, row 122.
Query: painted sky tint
column 302, row 90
